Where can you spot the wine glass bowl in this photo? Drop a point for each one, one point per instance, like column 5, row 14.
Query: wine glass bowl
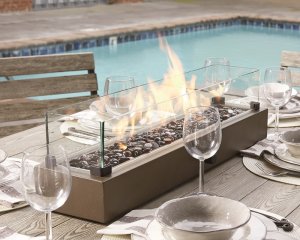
column 46, row 179
column 217, row 73
column 202, row 134
column 277, row 91
column 119, row 94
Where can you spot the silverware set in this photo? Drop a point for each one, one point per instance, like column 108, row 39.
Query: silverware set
column 275, row 173
column 282, row 223
column 74, row 132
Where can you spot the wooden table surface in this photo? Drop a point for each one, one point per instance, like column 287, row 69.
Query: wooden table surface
column 230, row 179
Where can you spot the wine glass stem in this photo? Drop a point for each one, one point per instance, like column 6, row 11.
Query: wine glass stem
column 276, row 123
column 201, row 175
column 48, row 226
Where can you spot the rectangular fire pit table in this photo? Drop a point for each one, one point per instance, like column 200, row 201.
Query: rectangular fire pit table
column 141, row 173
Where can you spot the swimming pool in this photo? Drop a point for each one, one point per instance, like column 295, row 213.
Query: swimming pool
column 245, row 42
column 246, row 46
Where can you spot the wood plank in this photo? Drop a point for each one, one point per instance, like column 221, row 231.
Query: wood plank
column 236, row 183
column 33, row 109
column 46, row 64
column 296, row 78
column 192, row 186
column 77, row 229
column 295, row 215
column 48, row 86
column 29, row 221
column 9, row 130
column 290, row 59
column 274, row 197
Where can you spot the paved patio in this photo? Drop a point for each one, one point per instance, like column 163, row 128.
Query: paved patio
column 50, row 26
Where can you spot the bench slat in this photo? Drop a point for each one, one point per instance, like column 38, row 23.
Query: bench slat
column 290, row 59
column 47, row 86
column 31, row 109
column 46, row 64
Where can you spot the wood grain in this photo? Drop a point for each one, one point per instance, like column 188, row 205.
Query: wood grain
column 71, row 74
column 77, row 229
column 290, row 59
column 274, row 197
column 28, row 221
column 235, row 183
column 46, row 64
column 48, row 86
column 294, row 216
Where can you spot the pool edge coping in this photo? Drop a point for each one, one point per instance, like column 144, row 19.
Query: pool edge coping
column 10, row 46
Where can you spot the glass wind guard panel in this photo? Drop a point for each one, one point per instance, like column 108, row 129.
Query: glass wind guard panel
column 141, row 119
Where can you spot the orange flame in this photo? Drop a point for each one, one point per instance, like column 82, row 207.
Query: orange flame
column 165, row 99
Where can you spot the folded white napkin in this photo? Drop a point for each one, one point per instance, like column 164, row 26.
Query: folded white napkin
column 10, row 185
column 8, row 234
column 258, row 149
column 134, row 223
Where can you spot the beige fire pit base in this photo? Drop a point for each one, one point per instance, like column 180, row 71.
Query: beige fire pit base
column 133, row 183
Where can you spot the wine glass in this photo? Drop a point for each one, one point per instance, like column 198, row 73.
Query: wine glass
column 202, row 135
column 277, row 90
column 3, row 155
column 46, row 180
column 119, row 94
column 217, row 72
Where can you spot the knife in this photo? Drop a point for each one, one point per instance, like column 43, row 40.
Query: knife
column 75, row 130
column 78, row 135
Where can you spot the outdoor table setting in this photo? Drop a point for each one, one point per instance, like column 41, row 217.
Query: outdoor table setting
column 203, row 210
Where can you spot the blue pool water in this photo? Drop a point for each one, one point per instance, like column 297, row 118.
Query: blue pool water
column 245, row 46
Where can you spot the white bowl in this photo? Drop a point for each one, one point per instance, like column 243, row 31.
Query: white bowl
column 201, row 217
column 292, row 141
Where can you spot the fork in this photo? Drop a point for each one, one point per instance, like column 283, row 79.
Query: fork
column 277, row 173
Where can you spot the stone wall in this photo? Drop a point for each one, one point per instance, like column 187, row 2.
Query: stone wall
column 28, row 5
column 15, row 5
column 52, row 4
column 122, row 1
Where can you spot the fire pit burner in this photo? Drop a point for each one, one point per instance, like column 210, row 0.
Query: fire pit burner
column 143, row 142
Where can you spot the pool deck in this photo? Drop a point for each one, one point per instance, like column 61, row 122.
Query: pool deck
column 61, row 25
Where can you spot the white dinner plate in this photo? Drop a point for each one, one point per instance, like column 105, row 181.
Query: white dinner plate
column 270, row 158
column 257, row 91
column 283, row 154
column 148, row 119
column 253, row 230
column 278, row 236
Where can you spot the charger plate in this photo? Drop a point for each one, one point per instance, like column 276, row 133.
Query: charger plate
column 259, row 167
column 253, row 230
column 281, row 164
column 279, row 235
column 139, row 220
column 283, row 154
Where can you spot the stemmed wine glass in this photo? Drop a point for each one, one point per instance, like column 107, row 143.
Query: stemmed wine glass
column 217, row 72
column 202, row 135
column 277, row 90
column 3, row 155
column 46, row 180
column 119, row 94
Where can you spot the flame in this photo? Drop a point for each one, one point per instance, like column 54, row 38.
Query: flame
column 165, row 99
column 122, row 146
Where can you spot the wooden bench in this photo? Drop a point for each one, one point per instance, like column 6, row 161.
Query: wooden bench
column 292, row 60
column 18, row 110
